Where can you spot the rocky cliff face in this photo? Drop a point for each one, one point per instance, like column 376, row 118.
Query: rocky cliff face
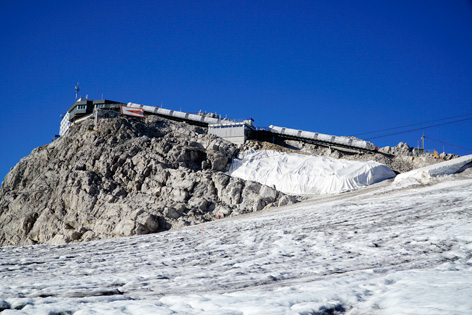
column 128, row 177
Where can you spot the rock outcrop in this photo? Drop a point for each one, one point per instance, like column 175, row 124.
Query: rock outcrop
column 129, row 177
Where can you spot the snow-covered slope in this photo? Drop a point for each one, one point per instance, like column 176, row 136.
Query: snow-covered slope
column 405, row 251
column 293, row 173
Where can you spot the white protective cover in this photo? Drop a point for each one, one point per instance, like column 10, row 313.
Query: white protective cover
column 299, row 174
column 423, row 175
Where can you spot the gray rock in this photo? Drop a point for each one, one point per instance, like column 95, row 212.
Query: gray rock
column 287, row 200
column 267, row 194
column 58, row 239
column 130, row 177
column 172, row 213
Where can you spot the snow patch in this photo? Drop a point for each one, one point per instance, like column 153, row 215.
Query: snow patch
column 298, row 174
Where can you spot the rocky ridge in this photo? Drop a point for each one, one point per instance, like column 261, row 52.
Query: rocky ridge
column 129, row 177
column 134, row 176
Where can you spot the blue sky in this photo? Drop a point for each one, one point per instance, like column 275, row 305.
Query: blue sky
column 335, row 67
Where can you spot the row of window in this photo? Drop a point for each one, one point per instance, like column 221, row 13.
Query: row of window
column 96, row 106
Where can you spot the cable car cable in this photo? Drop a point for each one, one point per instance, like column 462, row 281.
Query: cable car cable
column 427, row 127
column 417, row 124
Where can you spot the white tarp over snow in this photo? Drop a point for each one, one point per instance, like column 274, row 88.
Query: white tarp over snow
column 293, row 173
column 424, row 174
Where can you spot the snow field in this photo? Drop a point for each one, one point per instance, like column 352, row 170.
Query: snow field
column 403, row 251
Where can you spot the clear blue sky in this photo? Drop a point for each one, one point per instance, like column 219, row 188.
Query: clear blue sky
column 336, row 67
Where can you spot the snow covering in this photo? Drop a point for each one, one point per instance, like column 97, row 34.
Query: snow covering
column 298, row 174
column 407, row 251
column 423, row 175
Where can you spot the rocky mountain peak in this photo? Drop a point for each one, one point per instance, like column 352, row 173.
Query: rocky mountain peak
column 130, row 176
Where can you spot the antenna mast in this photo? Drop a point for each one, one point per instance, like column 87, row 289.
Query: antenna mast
column 77, row 91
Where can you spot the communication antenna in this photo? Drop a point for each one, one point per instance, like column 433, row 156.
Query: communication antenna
column 77, row 91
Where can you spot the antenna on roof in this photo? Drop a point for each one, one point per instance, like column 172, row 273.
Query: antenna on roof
column 77, row 91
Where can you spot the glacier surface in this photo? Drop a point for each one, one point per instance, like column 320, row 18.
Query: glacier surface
column 381, row 250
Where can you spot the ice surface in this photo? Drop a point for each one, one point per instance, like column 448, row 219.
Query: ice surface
column 405, row 251
column 293, row 173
